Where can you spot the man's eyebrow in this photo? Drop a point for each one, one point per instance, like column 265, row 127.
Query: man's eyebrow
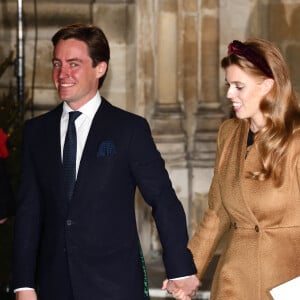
column 75, row 59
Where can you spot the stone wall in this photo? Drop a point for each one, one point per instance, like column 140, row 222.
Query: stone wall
column 164, row 65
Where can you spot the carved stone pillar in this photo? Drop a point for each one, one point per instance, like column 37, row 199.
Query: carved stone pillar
column 167, row 118
column 209, row 114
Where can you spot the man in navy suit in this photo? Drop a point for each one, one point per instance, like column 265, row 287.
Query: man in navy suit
column 86, row 246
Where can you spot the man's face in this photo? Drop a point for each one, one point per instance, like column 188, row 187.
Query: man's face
column 74, row 77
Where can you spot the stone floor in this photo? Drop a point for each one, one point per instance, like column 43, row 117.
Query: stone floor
column 156, row 276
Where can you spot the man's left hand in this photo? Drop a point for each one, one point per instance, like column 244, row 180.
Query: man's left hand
column 2, row 221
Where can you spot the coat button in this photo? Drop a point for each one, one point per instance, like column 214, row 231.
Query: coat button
column 235, row 225
column 256, row 228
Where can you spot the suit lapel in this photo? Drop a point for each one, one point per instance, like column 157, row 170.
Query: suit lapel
column 97, row 133
column 53, row 140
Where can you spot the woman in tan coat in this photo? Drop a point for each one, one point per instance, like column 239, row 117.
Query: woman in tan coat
column 255, row 192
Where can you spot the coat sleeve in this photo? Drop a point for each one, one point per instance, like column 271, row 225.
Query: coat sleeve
column 149, row 171
column 214, row 222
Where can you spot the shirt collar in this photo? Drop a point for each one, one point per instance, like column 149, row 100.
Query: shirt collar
column 89, row 109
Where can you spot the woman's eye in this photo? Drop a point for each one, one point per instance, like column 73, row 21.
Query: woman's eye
column 239, row 88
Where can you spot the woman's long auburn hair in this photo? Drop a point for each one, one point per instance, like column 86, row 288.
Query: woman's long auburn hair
column 280, row 108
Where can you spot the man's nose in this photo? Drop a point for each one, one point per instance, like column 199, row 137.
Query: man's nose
column 64, row 72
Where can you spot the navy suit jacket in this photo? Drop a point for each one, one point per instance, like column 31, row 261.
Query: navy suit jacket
column 94, row 241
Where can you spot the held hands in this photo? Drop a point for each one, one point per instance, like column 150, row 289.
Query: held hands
column 182, row 289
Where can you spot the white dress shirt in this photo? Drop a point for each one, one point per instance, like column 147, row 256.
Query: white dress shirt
column 82, row 123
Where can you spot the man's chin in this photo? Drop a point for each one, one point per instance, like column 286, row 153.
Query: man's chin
column 65, row 97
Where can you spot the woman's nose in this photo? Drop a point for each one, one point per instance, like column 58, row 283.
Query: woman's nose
column 229, row 93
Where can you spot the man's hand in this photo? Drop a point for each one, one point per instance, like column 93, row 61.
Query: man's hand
column 182, row 289
column 26, row 295
column 2, row 221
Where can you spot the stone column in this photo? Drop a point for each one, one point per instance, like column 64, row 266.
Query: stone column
column 167, row 118
column 209, row 114
column 144, row 98
column 168, row 115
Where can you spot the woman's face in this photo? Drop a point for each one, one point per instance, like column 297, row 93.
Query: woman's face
column 245, row 93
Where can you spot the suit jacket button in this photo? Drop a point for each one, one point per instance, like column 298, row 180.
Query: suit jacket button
column 256, row 228
column 69, row 222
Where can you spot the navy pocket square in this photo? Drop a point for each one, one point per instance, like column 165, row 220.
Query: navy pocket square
column 106, row 148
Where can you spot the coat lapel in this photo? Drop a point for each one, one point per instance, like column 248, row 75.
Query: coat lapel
column 236, row 143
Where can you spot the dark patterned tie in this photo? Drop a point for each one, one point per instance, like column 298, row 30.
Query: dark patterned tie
column 69, row 155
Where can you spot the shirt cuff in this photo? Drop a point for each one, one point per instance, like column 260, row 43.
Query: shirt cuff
column 183, row 277
column 23, row 289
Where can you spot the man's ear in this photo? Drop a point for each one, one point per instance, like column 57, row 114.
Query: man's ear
column 101, row 69
column 267, row 85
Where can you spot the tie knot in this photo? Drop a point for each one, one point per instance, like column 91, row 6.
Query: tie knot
column 73, row 115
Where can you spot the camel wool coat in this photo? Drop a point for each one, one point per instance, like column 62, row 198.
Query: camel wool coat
column 261, row 222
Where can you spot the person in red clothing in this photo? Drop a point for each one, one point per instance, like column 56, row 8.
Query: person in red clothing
column 6, row 194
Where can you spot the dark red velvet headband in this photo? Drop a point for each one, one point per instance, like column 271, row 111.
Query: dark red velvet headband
column 239, row 48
